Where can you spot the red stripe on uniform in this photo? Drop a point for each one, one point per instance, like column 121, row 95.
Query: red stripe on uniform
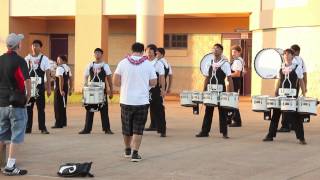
column 19, row 79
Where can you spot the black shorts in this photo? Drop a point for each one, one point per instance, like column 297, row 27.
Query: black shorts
column 133, row 119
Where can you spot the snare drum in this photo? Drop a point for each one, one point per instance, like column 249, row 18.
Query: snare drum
column 35, row 81
column 274, row 102
column 288, row 104
column 210, row 98
column 186, row 99
column 93, row 95
column 229, row 100
column 307, row 106
column 259, row 103
column 197, row 97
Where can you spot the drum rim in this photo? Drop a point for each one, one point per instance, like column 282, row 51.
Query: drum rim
column 254, row 62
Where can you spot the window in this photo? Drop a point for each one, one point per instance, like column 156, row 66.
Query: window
column 175, row 41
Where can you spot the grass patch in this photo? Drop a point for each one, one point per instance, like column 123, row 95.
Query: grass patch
column 76, row 98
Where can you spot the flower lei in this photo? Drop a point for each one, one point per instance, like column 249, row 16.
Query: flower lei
column 137, row 62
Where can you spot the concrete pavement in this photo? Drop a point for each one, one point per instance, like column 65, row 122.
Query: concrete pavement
column 180, row 156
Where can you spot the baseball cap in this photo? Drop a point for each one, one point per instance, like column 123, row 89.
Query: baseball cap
column 14, row 39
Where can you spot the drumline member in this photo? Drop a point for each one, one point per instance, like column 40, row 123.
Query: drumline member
column 237, row 67
column 296, row 78
column 95, row 71
column 285, row 123
column 39, row 64
column 157, row 93
column 135, row 75
column 167, row 68
column 223, row 70
column 63, row 87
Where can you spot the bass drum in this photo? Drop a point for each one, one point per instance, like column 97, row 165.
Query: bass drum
column 206, row 62
column 267, row 63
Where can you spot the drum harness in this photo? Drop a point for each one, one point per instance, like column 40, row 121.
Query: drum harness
column 37, row 83
column 99, row 105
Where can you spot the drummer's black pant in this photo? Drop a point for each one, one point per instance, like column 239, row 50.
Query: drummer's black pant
column 104, row 119
column 207, row 120
column 237, row 88
column 40, row 102
column 60, row 113
column 294, row 119
column 157, row 114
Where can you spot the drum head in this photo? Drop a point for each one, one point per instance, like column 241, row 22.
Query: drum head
column 205, row 63
column 267, row 63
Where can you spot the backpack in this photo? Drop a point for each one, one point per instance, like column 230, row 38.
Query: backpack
column 75, row 170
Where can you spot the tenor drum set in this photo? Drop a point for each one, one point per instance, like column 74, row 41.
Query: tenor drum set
column 213, row 96
column 267, row 64
column 93, row 95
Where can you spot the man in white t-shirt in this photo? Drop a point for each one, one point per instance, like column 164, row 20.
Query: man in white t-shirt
column 222, row 69
column 157, row 111
column 134, row 74
column 98, row 71
column 39, row 65
column 168, row 75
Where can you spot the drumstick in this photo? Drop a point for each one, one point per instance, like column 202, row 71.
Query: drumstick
column 64, row 101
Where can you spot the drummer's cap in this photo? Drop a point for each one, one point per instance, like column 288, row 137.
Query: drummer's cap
column 98, row 50
column 219, row 46
column 13, row 40
column 137, row 47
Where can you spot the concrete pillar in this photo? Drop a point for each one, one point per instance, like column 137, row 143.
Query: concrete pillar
column 5, row 23
column 91, row 31
column 150, row 22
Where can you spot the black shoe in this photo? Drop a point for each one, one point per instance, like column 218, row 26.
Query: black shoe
column 302, row 141
column 225, row 136
column 235, row 125
column 84, row 132
column 56, row 127
column 267, row 138
column 150, row 129
column 284, row 130
column 136, row 158
column 14, row 171
column 127, row 152
column 108, row 131
column 44, row 132
column 201, row 134
column 28, row 132
column 163, row 135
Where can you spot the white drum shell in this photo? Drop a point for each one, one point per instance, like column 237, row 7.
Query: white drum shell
column 197, row 97
column 210, row 98
column 288, row 104
column 229, row 100
column 274, row 103
column 307, row 106
column 259, row 103
column 93, row 95
column 35, row 81
column 186, row 99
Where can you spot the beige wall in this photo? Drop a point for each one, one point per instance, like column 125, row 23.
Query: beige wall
column 5, row 21
column 128, row 7
column 42, row 7
column 281, row 24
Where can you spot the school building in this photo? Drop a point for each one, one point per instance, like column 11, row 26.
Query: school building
column 186, row 28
